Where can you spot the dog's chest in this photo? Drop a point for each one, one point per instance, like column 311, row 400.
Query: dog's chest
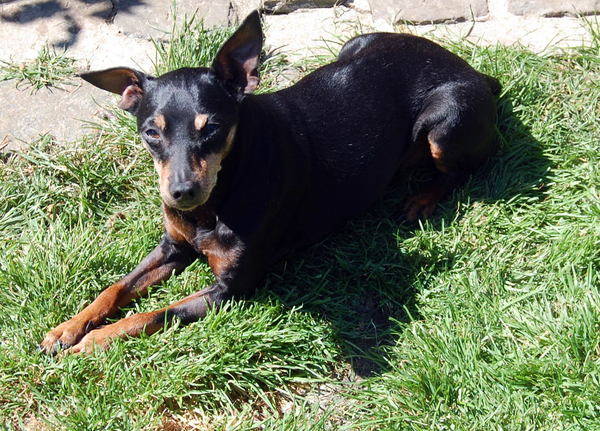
column 195, row 229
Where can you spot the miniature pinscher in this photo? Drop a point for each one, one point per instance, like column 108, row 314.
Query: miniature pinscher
column 247, row 179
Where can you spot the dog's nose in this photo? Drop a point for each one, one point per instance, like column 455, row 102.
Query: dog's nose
column 184, row 192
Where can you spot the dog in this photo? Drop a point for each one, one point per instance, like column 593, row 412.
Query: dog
column 246, row 179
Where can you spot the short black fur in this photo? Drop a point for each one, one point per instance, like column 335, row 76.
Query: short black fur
column 264, row 175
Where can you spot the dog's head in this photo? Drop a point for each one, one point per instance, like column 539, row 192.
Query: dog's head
column 187, row 118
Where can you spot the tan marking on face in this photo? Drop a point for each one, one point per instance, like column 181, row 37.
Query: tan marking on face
column 207, row 168
column 163, row 171
column 200, row 121
column 160, row 121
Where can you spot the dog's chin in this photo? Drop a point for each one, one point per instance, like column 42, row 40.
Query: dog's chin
column 186, row 208
column 183, row 208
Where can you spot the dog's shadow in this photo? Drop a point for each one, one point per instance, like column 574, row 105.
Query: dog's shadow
column 361, row 279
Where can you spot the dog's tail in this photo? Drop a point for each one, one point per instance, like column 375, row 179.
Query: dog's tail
column 494, row 84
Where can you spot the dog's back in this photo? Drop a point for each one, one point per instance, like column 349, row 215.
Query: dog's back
column 356, row 119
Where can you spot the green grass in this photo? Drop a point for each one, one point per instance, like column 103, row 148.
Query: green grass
column 193, row 45
column 485, row 318
column 48, row 69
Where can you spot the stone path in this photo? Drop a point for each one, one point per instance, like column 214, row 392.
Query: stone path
column 106, row 33
column 61, row 113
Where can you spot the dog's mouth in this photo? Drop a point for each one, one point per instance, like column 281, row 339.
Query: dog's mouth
column 187, row 187
column 184, row 206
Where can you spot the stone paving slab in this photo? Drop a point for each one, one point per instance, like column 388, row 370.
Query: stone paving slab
column 306, row 32
column 82, row 27
column 428, row 11
column 541, row 35
column 155, row 22
column 103, row 32
column 25, row 115
column 287, row 6
column 550, row 8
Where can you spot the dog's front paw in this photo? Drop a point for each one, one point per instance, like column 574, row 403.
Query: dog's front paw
column 65, row 335
column 98, row 339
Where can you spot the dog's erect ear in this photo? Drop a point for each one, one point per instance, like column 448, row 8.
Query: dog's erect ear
column 236, row 63
column 127, row 82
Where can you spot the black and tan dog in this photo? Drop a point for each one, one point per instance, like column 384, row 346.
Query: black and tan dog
column 247, row 179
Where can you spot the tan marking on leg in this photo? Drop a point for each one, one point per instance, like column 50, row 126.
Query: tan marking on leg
column 200, row 121
column 160, row 121
column 437, row 154
column 153, row 269
column 132, row 326
column 219, row 258
column 218, row 264
column 135, row 325
column 229, row 140
column 423, row 204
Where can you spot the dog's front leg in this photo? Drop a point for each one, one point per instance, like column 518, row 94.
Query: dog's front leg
column 237, row 272
column 165, row 259
column 189, row 309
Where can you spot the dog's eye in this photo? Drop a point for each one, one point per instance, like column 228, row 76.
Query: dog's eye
column 152, row 134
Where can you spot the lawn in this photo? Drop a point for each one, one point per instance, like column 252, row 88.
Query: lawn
column 486, row 317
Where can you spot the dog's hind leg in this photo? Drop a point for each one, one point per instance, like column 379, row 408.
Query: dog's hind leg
column 457, row 126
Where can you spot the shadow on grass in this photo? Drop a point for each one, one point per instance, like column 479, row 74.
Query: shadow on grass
column 364, row 280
